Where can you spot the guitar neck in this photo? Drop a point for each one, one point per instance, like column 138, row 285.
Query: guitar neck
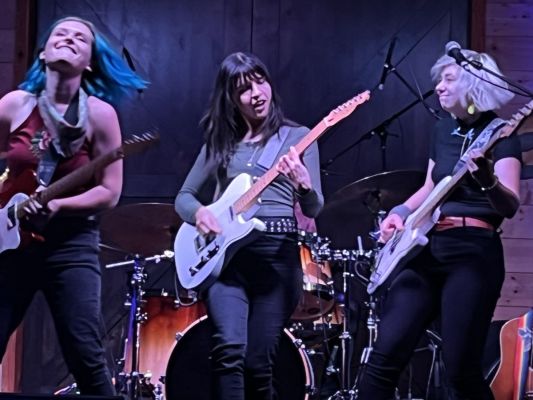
column 73, row 180
column 440, row 194
column 438, row 198
column 251, row 195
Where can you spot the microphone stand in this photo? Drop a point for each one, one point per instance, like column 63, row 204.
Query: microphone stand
column 479, row 66
column 381, row 132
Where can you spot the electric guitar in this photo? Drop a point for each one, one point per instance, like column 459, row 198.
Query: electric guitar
column 201, row 258
column 15, row 195
column 407, row 243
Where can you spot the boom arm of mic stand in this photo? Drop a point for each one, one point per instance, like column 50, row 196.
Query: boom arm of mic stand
column 379, row 127
column 478, row 65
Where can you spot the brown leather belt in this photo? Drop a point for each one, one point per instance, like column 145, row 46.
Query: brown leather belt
column 459, row 222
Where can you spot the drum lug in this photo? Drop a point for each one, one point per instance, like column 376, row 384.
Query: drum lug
column 310, row 389
column 299, row 343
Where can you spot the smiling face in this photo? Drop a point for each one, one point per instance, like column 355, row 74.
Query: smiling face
column 69, row 47
column 451, row 91
column 253, row 97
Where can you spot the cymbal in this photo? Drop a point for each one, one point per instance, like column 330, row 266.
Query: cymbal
column 351, row 210
column 143, row 228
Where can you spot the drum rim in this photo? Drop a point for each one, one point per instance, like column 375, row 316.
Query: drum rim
column 308, row 368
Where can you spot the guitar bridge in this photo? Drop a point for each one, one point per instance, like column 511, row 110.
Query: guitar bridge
column 204, row 260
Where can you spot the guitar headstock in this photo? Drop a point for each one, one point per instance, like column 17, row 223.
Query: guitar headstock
column 346, row 109
column 139, row 142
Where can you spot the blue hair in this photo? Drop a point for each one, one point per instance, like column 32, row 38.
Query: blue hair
column 109, row 79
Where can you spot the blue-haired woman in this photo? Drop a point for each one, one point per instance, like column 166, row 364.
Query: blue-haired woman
column 59, row 120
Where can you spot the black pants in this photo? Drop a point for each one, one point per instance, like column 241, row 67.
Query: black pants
column 248, row 306
column 458, row 276
column 66, row 269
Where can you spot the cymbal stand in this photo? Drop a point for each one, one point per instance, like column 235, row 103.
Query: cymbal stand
column 134, row 300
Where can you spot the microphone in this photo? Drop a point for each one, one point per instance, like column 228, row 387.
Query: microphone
column 453, row 49
column 387, row 65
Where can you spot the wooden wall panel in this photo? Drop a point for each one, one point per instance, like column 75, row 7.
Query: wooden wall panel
column 518, row 255
column 510, row 19
column 509, row 38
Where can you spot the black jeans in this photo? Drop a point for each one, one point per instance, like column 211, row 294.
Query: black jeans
column 248, row 306
column 458, row 276
column 66, row 269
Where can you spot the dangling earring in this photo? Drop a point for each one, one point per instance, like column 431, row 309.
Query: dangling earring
column 471, row 109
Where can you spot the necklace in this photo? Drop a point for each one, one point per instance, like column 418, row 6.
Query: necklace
column 467, row 137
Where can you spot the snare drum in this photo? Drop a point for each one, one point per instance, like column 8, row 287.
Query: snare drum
column 158, row 334
column 188, row 375
column 317, row 297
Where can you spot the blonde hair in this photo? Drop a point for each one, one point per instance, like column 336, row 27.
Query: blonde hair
column 478, row 86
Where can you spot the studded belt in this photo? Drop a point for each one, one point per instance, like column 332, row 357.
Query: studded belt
column 280, row 224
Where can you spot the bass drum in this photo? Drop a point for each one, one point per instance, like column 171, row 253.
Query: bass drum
column 158, row 333
column 188, row 375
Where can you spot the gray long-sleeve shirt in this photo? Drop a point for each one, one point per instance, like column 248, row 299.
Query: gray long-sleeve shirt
column 278, row 198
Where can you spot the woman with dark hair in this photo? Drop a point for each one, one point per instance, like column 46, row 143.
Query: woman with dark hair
column 252, row 300
column 459, row 274
column 58, row 122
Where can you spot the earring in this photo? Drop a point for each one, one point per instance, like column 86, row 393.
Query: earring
column 471, row 109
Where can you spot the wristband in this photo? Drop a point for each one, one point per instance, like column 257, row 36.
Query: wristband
column 302, row 191
column 401, row 210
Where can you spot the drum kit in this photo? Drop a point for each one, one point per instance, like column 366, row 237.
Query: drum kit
column 165, row 351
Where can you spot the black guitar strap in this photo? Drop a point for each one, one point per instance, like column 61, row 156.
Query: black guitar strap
column 480, row 141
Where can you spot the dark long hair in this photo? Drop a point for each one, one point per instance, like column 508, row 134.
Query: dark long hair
column 223, row 123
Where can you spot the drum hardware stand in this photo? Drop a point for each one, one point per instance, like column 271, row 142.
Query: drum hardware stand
column 437, row 366
column 345, row 391
column 372, row 326
column 134, row 381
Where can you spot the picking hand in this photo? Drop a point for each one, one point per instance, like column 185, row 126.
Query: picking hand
column 206, row 222
column 387, row 227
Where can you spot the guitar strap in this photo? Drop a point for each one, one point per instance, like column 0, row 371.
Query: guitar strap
column 482, row 139
column 267, row 158
column 271, row 150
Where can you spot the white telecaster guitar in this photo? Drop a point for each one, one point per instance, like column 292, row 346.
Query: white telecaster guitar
column 199, row 258
column 405, row 244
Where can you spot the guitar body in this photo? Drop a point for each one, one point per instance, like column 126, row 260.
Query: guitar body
column 406, row 244
column 513, row 377
column 200, row 259
column 10, row 238
column 15, row 191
